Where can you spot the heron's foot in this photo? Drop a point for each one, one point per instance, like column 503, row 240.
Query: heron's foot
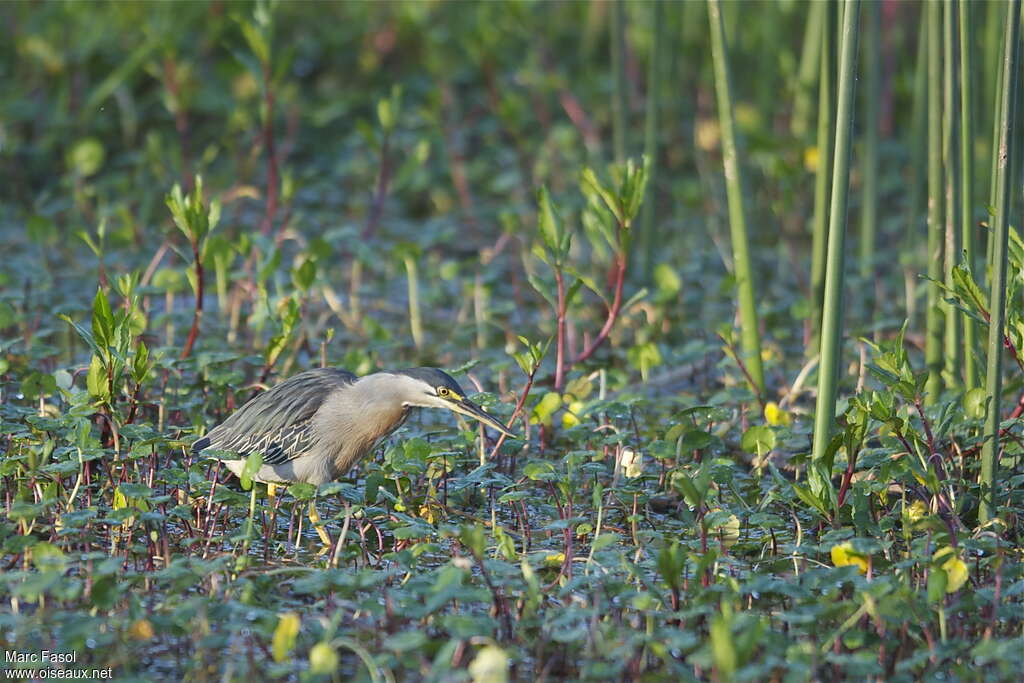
column 314, row 517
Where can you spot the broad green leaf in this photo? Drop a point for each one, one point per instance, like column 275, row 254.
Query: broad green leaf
column 759, row 439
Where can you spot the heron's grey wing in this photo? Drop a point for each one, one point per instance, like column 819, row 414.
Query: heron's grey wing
column 278, row 422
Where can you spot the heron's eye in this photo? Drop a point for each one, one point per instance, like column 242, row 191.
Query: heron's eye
column 443, row 392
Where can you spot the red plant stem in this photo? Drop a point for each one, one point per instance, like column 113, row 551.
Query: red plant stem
column 268, row 143
column 381, row 193
column 198, row 315
column 518, row 409
column 560, row 366
column 613, row 310
column 847, row 478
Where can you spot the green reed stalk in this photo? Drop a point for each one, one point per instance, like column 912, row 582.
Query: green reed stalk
column 1000, row 236
column 869, row 158
column 822, row 188
column 415, row 320
column 918, row 127
column 651, row 141
column 951, row 160
column 810, row 65
column 934, row 324
column 968, row 236
column 617, row 29
column 749, row 334
column 998, row 78
column 831, row 332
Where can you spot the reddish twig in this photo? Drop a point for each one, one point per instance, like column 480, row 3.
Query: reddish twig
column 268, row 143
column 518, row 409
column 198, row 315
column 380, row 193
column 560, row 365
column 613, row 310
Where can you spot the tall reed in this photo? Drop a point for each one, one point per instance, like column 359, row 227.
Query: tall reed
column 934, row 327
column 646, row 252
column 831, row 320
column 749, row 335
column 1000, row 235
column 968, row 236
column 951, row 161
column 823, row 169
column 869, row 158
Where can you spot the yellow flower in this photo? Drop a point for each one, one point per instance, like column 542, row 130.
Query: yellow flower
column 489, row 666
column 554, row 559
column 776, row 416
column 729, row 531
column 811, row 159
column 916, row 511
column 956, row 569
column 843, row 555
column 570, row 418
column 141, row 630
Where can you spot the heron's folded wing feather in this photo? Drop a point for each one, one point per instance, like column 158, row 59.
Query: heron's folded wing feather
column 278, row 422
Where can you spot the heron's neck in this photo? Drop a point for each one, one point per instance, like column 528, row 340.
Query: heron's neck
column 354, row 418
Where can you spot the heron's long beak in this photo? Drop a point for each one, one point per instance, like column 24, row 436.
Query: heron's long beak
column 467, row 407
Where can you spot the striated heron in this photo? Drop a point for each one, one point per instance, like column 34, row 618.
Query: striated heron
column 314, row 426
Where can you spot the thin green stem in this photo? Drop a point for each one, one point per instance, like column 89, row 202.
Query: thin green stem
column 951, row 160
column 968, row 236
column 823, row 169
column 934, row 326
column 869, row 158
column 916, row 174
column 1000, row 236
column 646, row 251
column 749, row 334
column 415, row 321
column 831, row 332
column 810, row 66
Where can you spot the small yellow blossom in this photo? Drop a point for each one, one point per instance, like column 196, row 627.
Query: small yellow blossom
column 141, row 630
column 776, row 416
column 956, row 569
column 843, row 555
column 916, row 511
column 811, row 159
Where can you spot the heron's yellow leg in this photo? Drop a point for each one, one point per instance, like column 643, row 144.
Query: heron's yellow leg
column 314, row 517
column 271, row 493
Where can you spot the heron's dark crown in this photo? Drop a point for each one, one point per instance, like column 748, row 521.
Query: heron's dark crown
column 434, row 377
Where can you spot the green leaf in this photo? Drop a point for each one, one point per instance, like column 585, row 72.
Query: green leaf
column 937, row 580
column 550, row 224
column 304, row 275
column 603, row 541
column 96, row 380
column 404, row 641
column 759, row 439
column 472, row 536
column 975, row 402
column 723, row 650
column 102, row 321
column 593, row 188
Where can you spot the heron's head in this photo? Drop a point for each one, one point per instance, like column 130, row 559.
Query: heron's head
column 433, row 388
